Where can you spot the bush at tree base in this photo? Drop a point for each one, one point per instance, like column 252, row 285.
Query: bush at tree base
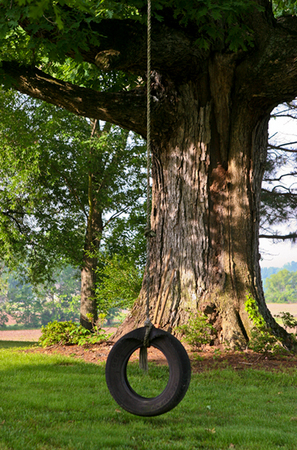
column 198, row 331
column 69, row 333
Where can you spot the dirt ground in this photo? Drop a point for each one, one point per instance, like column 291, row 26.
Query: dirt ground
column 20, row 335
column 208, row 358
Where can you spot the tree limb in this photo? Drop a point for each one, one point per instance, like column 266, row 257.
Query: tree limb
column 10, row 216
column 262, row 73
column 292, row 174
column 281, row 148
column 283, row 237
column 127, row 109
column 279, row 194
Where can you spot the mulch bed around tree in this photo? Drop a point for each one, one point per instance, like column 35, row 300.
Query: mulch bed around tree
column 208, row 358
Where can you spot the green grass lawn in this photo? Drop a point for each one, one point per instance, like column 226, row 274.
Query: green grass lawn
column 57, row 403
column 16, row 344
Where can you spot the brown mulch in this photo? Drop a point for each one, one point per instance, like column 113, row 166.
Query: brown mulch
column 208, row 358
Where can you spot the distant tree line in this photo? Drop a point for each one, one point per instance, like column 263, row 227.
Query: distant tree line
column 280, row 285
column 34, row 306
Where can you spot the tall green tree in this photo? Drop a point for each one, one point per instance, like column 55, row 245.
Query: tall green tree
column 218, row 70
column 279, row 189
column 64, row 179
column 281, row 287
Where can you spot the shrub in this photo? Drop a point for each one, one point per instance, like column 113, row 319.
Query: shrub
column 288, row 320
column 69, row 333
column 262, row 339
column 198, row 331
column 3, row 319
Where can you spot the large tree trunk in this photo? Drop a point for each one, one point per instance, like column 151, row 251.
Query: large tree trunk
column 205, row 207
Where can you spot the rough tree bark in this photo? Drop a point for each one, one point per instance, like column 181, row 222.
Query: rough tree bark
column 205, row 207
column 88, row 304
column 210, row 111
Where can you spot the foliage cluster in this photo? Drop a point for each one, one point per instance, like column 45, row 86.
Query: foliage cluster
column 288, row 320
column 71, row 24
column 197, row 331
column 261, row 340
column 67, row 333
column 49, row 168
column 281, row 287
column 37, row 305
column 284, row 7
column 266, row 272
column 120, row 283
column 3, row 319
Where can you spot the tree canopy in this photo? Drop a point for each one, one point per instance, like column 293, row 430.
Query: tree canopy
column 90, row 57
column 64, row 181
column 279, row 189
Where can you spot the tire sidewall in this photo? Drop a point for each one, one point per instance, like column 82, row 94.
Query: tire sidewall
column 179, row 373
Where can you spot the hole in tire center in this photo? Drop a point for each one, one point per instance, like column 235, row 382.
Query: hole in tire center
column 152, row 383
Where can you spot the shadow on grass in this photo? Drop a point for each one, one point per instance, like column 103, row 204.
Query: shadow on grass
column 16, row 344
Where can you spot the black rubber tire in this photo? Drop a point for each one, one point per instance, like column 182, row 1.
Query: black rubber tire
column 179, row 373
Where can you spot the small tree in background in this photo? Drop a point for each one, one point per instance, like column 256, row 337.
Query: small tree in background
column 281, row 287
column 279, row 188
column 63, row 181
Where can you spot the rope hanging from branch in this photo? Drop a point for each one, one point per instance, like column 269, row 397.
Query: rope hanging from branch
column 143, row 361
column 148, row 168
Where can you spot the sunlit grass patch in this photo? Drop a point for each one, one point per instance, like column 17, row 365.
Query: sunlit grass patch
column 16, row 344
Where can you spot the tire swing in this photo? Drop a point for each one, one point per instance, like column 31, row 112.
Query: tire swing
column 144, row 337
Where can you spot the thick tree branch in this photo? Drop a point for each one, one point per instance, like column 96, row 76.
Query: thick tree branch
column 127, row 109
column 292, row 174
column 269, row 76
column 123, row 46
